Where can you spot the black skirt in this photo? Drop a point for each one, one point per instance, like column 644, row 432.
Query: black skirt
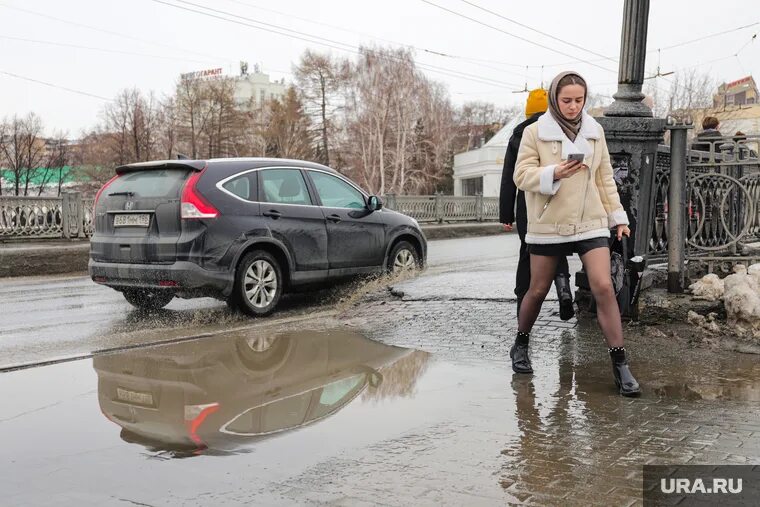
column 567, row 249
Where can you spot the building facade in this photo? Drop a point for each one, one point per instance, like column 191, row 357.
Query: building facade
column 736, row 93
column 479, row 171
column 257, row 86
column 250, row 88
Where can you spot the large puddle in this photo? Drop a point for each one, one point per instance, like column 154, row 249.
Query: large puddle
column 304, row 417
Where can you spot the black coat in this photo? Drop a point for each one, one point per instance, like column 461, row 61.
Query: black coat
column 707, row 137
column 509, row 190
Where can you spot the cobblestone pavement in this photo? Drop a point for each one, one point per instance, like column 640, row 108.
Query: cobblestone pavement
column 578, row 442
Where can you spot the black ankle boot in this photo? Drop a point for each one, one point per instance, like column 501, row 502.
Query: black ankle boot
column 624, row 379
column 519, row 354
column 565, row 295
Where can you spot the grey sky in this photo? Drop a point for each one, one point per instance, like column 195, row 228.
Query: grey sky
column 168, row 41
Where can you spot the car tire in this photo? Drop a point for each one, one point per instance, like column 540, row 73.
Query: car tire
column 258, row 284
column 260, row 360
column 403, row 257
column 147, row 299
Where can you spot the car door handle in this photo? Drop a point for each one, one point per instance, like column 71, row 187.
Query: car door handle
column 334, row 218
column 272, row 213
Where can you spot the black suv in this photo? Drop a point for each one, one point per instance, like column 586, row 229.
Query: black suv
column 242, row 230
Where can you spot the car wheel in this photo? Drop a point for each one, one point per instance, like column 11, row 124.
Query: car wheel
column 403, row 257
column 258, row 284
column 147, row 299
column 263, row 351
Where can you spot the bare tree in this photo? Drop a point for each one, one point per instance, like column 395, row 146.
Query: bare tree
column 688, row 90
column 168, row 128
column 319, row 78
column 193, row 113
column 225, row 123
column 288, row 131
column 93, row 158
column 481, row 120
column 22, row 150
column 132, row 119
column 55, row 168
column 397, row 128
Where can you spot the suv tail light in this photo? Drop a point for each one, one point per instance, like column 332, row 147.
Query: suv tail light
column 194, row 205
column 97, row 196
column 194, row 417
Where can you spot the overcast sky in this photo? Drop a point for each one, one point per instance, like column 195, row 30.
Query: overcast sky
column 102, row 46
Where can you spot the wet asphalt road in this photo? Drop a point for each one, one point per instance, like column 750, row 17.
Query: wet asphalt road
column 59, row 317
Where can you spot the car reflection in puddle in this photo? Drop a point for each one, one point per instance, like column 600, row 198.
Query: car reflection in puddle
column 214, row 396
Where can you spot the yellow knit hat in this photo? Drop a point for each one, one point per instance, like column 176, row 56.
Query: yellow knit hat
column 538, row 102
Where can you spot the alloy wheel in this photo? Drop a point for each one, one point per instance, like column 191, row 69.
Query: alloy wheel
column 260, row 284
column 404, row 261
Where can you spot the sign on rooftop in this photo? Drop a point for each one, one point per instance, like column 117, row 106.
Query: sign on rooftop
column 202, row 74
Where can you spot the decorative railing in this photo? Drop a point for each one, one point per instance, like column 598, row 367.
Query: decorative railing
column 445, row 208
column 68, row 216
column 71, row 216
column 722, row 205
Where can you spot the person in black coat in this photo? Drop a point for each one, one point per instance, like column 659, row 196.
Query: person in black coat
column 709, row 136
column 536, row 106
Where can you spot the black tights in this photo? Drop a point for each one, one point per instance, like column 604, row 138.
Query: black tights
column 596, row 263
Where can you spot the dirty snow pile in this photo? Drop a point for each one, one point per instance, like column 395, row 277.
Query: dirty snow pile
column 740, row 293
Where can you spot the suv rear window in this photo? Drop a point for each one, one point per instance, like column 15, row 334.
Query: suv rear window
column 150, row 184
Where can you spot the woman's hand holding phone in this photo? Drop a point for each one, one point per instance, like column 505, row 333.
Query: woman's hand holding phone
column 567, row 168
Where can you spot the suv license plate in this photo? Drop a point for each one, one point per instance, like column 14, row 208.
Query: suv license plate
column 132, row 220
column 134, row 397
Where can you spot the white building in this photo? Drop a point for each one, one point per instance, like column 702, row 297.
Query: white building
column 479, row 171
column 257, row 86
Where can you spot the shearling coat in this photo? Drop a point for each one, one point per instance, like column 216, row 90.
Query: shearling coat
column 583, row 206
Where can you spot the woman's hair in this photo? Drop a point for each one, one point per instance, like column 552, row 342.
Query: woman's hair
column 710, row 122
column 571, row 79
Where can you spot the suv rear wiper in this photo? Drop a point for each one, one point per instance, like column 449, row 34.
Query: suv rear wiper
column 128, row 194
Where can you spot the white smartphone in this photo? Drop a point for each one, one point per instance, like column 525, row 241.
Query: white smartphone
column 577, row 157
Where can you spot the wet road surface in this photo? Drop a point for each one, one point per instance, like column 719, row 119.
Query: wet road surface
column 48, row 318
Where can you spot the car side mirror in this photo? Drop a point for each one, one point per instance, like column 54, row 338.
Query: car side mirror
column 374, row 203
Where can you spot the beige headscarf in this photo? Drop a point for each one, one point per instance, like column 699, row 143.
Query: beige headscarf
column 569, row 127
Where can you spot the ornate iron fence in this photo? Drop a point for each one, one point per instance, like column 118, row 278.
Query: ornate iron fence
column 722, row 200
column 71, row 216
column 445, row 208
column 68, row 216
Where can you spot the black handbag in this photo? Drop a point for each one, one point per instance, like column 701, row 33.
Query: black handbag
column 626, row 272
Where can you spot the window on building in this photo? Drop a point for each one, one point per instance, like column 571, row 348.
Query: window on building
column 472, row 186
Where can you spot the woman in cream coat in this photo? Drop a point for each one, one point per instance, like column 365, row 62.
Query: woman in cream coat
column 572, row 206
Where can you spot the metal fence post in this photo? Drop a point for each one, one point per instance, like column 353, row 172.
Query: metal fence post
column 71, row 214
column 677, row 207
column 390, row 201
column 78, row 199
column 439, row 207
column 479, row 207
column 66, row 215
